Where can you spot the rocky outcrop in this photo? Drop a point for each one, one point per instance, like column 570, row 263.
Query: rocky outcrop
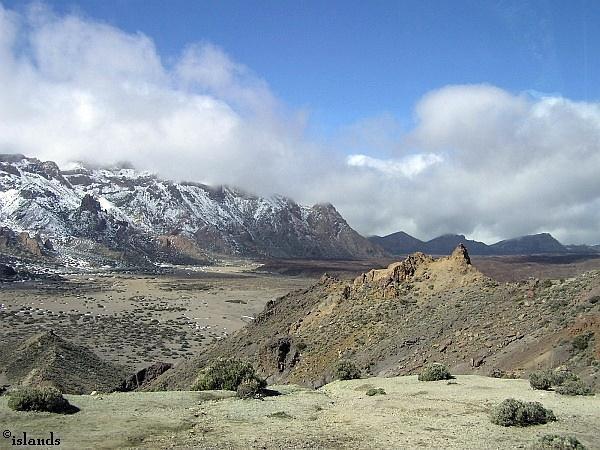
column 22, row 243
column 144, row 377
column 396, row 320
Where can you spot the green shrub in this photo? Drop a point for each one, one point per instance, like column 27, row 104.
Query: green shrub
column 346, row 370
column 435, row 372
column 581, row 341
column 47, row 399
column 560, row 375
column 376, row 391
column 513, row 412
column 541, row 379
column 556, row 442
column 250, row 389
column 226, row 374
column 574, row 387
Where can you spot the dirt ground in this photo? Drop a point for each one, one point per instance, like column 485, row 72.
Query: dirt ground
column 137, row 319
column 413, row 414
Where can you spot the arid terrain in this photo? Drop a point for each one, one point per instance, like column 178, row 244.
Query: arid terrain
column 412, row 414
column 135, row 319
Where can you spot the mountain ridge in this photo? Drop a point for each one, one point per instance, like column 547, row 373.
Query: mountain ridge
column 401, row 243
column 122, row 211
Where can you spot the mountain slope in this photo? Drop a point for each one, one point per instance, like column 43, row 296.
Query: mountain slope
column 528, row 245
column 48, row 360
column 401, row 243
column 136, row 212
column 398, row 243
column 393, row 321
column 445, row 244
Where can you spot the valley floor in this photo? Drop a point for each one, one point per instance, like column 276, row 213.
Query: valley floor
column 137, row 319
column 413, row 414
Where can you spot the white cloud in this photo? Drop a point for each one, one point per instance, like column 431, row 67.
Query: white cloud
column 409, row 166
column 480, row 160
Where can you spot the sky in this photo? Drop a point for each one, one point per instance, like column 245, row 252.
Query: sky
column 472, row 117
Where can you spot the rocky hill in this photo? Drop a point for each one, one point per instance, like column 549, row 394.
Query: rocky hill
column 121, row 213
column 401, row 243
column 393, row 321
column 46, row 359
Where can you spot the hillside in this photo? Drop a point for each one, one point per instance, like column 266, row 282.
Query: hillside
column 48, row 360
column 121, row 214
column 393, row 321
column 401, row 243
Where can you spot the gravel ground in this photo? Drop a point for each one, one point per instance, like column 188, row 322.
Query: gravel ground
column 413, row 414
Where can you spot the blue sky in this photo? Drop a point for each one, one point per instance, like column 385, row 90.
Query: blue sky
column 431, row 117
column 345, row 60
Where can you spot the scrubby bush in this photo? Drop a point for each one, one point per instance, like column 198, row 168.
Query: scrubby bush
column 574, row 387
column 376, row 391
column 513, row 412
column 541, row 379
column 346, row 370
column 226, row 374
column 557, row 442
column 250, row 389
column 581, row 341
column 435, row 372
column 47, row 399
column 499, row 373
column 561, row 375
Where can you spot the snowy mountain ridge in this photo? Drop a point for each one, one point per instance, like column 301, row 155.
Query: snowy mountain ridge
column 114, row 206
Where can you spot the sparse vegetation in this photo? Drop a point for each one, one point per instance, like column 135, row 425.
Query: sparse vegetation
column 513, row 412
column 376, row 391
column 46, row 399
column 557, row 442
column 499, row 373
column 346, row 370
column 564, row 381
column 581, row 341
column 435, row 372
column 227, row 374
column 574, row 387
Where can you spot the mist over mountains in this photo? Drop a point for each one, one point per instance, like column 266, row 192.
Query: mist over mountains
column 125, row 214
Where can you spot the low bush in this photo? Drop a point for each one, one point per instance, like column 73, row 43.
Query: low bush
column 435, row 372
column 574, row 387
column 346, row 370
column 226, row 374
column 561, row 375
column 250, row 389
column 376, row 391
column 513, row 412
column 47, row 399
column 581, row 341
column 541, row 380
column 557, row 442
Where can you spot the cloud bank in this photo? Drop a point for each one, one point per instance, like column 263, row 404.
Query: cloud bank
column 479, row 160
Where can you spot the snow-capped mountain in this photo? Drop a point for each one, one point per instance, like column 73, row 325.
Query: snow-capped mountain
column 123, row 210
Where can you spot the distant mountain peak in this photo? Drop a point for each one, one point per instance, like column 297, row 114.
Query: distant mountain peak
column 400, row 243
